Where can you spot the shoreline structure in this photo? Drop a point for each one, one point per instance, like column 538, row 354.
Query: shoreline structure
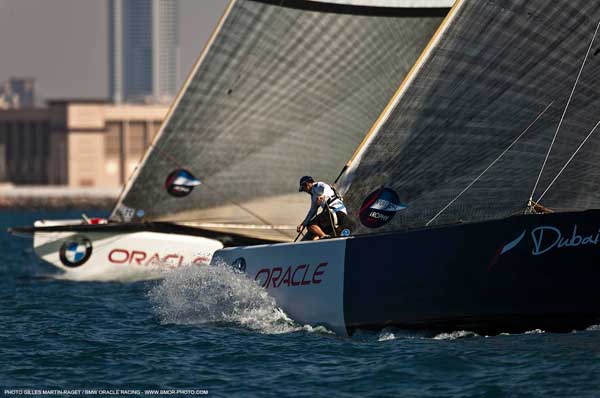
column 56, row 197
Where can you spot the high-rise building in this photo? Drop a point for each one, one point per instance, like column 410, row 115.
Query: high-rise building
column 143, row 50
column 17, row 93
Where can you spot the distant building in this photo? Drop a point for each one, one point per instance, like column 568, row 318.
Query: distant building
column 143, row 50
column 79, row 143
column 17, row 93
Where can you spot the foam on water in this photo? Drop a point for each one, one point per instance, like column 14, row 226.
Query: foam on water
column 218, row 294
column 386, row 335
column 593, row 328
column 392, row 333
column 459, row 334
column 535, row 331
column 125, row 275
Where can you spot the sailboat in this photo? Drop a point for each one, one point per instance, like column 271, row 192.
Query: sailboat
column 475, row 192
column 282, row 89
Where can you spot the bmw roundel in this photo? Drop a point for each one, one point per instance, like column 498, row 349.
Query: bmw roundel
column 75, row 252
column 239, row 264
column 380, row 207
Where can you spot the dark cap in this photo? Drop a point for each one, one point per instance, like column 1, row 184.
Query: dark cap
column 304, row 180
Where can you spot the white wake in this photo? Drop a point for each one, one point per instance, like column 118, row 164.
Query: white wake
column 209, row 294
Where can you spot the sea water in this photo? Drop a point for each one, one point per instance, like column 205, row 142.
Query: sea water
column 208, row 330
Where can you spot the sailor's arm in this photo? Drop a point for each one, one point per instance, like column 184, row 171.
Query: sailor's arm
column 311, row 213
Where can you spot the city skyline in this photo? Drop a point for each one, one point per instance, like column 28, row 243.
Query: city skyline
column 63, row 44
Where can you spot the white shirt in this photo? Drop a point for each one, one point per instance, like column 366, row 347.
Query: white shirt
column 322, row 189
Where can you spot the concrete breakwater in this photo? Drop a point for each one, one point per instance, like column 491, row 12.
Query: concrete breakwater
column 56, row 197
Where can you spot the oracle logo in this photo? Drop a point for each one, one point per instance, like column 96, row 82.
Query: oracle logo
column 142, row 258
column 299, row 275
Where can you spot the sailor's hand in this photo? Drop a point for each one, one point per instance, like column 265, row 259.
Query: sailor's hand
column 299, row 228
column 320, row 200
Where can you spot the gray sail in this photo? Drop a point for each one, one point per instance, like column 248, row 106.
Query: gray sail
column 284, row 89
column 448, row 148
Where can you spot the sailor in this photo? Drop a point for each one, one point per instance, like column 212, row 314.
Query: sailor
column 333, row 219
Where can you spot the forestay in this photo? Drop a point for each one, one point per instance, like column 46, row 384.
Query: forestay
column 496, row 69
column 283, row 89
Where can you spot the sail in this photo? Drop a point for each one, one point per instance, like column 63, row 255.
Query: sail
column 506, row 89
column 283, row 89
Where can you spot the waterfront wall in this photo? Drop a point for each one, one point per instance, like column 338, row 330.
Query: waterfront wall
column 57, row 197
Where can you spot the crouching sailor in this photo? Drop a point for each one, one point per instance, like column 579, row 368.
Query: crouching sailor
column 332, row 220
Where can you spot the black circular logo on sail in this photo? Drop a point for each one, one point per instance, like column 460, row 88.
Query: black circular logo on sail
column 379, row 208
column 75, row 252
column 180, row 183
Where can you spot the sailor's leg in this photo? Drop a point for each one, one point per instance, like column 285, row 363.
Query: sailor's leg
column 308, row 236
column 316, row 231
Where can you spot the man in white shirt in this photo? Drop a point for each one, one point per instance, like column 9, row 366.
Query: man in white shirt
column 333, row 219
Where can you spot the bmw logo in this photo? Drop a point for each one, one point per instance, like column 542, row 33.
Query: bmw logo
column 345, row 232
column 239, row 264
column 75, row 252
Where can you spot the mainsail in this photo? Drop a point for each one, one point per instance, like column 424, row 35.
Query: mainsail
column 283, row 89
column 503, row 85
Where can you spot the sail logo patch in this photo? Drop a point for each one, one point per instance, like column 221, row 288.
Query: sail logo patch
column 75, row 252
column 180, row 183
column 380, row 207
column 384, row 205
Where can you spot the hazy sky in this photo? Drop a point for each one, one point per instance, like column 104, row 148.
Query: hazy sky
column 63, row 43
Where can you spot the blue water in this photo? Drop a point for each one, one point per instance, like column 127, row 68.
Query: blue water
column 193, row 331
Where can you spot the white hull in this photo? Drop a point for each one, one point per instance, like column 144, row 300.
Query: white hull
column 114, row 256
column 306, row 278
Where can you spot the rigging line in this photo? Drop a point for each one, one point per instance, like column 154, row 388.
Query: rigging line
column 569, row 161
column 564, row 113
column 491, row 164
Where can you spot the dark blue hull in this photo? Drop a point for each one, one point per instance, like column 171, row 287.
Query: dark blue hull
column 509, row 275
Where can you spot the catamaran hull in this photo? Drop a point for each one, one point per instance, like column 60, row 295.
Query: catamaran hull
column 509, row 275
column 104, row 254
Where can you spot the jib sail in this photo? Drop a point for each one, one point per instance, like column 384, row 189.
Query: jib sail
column 283, row 89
